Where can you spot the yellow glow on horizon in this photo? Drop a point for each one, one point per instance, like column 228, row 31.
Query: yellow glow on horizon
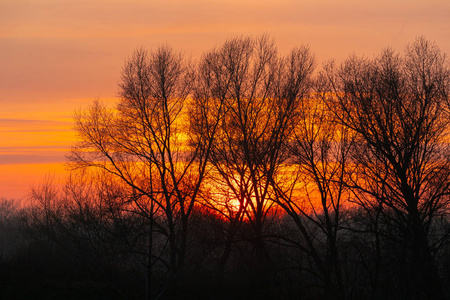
column 34, row 142
column 16, row 180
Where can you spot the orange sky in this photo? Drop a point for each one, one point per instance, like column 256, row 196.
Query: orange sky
column 55, row 56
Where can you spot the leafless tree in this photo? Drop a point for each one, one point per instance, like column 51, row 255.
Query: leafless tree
column 10, row 236
column 248, row 141
column 312, row 190
column 250, row 96
column 396, row 108
column 89, row 220
column 145, row 143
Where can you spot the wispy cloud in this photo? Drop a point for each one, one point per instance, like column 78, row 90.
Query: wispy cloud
column 27, row 141
column 31, row 122
column 13, row 159
column 29, row 148
column 33, row 154
column 19, row 126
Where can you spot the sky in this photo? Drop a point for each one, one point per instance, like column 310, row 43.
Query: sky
column 57, row 56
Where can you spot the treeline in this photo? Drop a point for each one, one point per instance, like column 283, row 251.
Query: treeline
column 248, row 174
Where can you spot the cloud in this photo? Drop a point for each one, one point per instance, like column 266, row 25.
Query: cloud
column 4, row 149
column 31, row 122
column 24, row 126
column 13, row 159
column 33, row 154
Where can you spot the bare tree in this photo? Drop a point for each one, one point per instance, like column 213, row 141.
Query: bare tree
column 10, row 236
column 145, row 144
column 312, row 191
column 90, row 221
column 396, row 108
column 250, row 95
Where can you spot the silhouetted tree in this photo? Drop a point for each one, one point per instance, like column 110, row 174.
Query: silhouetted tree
column 312, row 191
column 89, row 223
column 343, row 179
column 396, row 107
column 249, row 95
column 10, row 237
column 144, row 143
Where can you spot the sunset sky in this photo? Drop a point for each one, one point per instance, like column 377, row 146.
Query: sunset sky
column 56, row 56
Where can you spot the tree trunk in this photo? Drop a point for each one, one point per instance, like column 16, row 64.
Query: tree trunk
column 426, row 274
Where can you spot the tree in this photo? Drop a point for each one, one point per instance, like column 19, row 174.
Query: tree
column 249, row 97
column 396, row 108
column 312, row 191
column 85, row 228
column 145, row 144
column 10, row 239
